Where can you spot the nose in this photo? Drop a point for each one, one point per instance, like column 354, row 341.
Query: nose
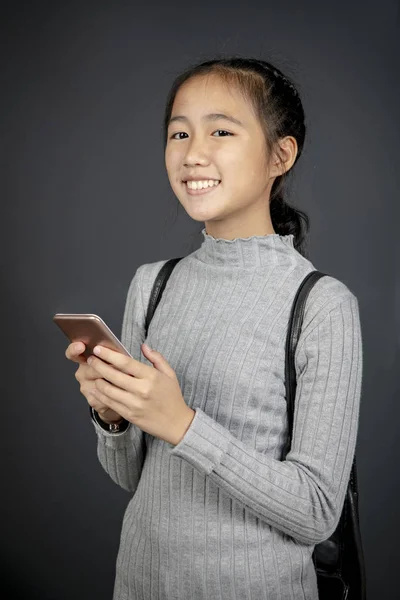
column 195, row 154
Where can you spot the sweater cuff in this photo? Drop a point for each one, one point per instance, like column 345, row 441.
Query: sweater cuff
column 204, row 443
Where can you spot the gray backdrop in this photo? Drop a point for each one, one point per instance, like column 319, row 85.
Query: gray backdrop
column 85, row 200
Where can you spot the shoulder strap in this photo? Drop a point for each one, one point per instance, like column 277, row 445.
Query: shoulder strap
column 158, row 288
column 293, row 334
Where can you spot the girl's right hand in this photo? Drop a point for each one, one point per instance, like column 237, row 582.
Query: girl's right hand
column 86, row 376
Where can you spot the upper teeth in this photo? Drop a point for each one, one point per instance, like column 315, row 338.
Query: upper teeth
column 194, row 185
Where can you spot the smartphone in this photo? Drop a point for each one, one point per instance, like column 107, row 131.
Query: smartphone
column 89, row 329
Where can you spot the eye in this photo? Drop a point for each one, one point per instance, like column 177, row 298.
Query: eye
column 174, row 134
column 223, row 130
column 219, row 130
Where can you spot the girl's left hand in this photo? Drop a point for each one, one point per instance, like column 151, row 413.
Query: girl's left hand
column 148, row 397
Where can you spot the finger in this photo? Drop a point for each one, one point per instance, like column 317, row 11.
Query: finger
column 113, row 375
column 124, row 363
column 112, row 397
column 94, row 399
column 99, row 407
column 91, row 374
column 74, row 351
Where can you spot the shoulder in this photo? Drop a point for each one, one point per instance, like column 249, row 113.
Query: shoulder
column 327, row 295
column 145, row 277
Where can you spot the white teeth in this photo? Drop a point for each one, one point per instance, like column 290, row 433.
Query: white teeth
column 198, row 185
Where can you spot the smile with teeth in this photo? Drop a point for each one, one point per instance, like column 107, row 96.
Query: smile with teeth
column 199, row 185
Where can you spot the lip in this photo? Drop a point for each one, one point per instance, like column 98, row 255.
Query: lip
column 202, row 191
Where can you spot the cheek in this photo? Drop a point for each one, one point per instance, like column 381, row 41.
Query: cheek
column 172, row 161
column 242, row 172
column 245, row 179
column 251, row 168
column 238, row 159
column 174, row 169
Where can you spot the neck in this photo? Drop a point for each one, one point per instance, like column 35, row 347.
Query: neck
column 250, row 252
column 257, row 226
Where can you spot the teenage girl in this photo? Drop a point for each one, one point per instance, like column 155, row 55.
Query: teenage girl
column 194, row 425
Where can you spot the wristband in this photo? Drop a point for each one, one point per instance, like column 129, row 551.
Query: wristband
column 109, row 427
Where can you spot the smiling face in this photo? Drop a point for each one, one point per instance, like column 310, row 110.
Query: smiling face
column 211, row 147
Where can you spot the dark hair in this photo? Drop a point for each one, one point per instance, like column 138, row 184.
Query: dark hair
column 278, row 106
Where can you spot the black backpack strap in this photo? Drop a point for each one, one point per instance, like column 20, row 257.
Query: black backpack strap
column 293, row 334
column 158, row 288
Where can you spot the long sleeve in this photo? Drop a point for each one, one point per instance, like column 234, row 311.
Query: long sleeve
column 122, row 454
column 302, row 496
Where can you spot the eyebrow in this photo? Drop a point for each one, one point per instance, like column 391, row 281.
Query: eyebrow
column 209, row 117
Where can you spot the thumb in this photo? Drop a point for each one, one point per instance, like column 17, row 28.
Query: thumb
column 159, row 362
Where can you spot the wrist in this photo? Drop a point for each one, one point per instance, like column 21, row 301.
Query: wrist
column 113, row 427
column 184, row 426
column 109, row 421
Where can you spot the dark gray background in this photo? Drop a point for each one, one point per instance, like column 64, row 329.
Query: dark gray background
column 85, row 200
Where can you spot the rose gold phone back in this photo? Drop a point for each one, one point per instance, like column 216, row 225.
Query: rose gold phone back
column 89, row 329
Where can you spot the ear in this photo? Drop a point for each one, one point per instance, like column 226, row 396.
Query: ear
column 284, row 156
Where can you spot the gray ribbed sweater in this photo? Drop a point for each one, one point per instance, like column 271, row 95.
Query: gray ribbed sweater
column 220, row 516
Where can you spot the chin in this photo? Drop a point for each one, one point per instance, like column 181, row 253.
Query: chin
column 201, row 215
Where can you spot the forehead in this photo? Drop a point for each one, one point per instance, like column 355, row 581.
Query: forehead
column 208, row 93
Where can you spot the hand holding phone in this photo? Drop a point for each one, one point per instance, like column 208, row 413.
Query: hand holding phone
column 85, row 331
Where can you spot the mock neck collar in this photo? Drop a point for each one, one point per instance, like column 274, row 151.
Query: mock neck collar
column 248, row 253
